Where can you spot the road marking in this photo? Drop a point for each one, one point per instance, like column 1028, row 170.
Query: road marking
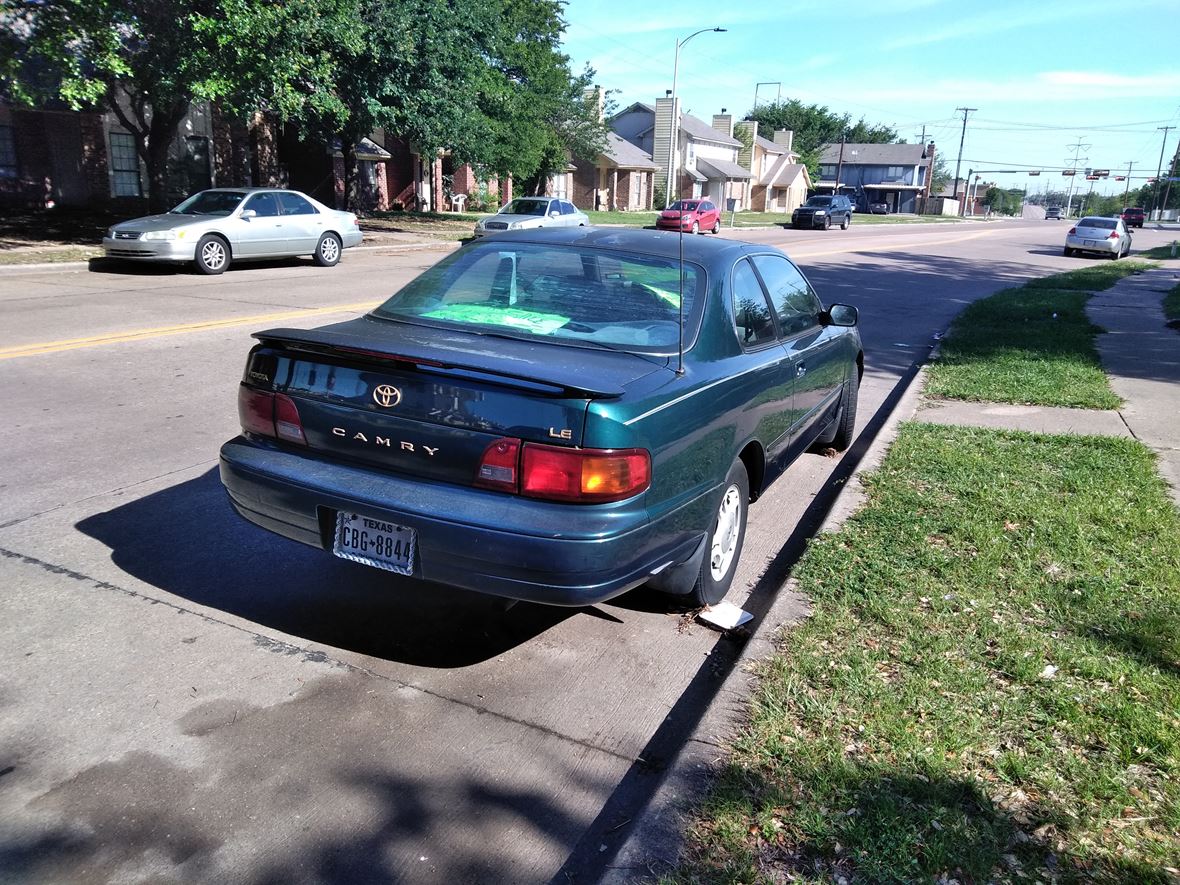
column 8, row 353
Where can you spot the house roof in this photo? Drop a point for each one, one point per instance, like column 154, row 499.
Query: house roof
column 702, row 131
column 715, row 168
column 783, row 172
column 624, row 155
column 875, row 154
column 769, row 146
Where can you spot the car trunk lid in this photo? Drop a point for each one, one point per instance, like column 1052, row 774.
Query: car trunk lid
column 430, row 401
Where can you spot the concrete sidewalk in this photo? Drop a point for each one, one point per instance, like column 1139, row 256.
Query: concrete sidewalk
column 1141, row 356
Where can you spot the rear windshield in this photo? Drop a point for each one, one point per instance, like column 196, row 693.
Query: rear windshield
column 526, row 207
column 1132, row 211
column 211, row 203
column 820, row 201
column 1106, row 223
column 617, row 299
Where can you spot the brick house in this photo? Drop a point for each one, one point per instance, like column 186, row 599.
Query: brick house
column 620, row 178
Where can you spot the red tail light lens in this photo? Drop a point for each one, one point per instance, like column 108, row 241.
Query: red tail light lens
column 1114, row 235
column 584, row 475
column 1073, row 230
column 498, row 466
column 554, row 473
column 270, row 414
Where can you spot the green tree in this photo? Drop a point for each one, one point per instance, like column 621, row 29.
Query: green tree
column 147, row 61
column 815, row 126
column 534, row 112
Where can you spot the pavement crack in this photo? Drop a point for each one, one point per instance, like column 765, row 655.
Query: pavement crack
column 1130, row 429
column 273, row 644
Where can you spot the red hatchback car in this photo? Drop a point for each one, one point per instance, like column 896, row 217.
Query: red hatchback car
column 693, row 216
column 1133, row 216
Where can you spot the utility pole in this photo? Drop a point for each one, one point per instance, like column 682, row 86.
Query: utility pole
column 959, row 161
column 1171, row 175
column 1078, row 147
column 1127, row 190
column 840, row 166
column 1160, row 168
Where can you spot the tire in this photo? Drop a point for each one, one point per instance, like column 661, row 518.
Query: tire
column 696, row 228
column 845, row 428
column 327, row 251
column 847, row 221
column 1117, row 255
column 827, row 222
column 723, row 543
column 1068, row 252
column 212, row 255
column 716, row 227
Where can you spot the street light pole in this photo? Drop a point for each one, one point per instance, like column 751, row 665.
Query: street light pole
column 674, row 147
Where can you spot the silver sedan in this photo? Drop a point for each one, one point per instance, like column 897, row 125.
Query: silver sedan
column 1106, row 236
column 527, row 213
column 215, row 227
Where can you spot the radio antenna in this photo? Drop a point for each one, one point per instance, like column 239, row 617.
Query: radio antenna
column 680, row 299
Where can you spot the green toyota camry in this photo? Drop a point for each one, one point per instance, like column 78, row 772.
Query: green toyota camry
column 553, row 415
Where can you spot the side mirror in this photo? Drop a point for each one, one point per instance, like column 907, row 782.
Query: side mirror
column 247, row 214
column 554, row 213
column 842, row 315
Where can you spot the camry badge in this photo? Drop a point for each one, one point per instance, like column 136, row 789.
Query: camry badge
column 386, row 395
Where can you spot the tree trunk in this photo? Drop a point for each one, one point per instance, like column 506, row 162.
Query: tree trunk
column 352, row 199
column 161, row 132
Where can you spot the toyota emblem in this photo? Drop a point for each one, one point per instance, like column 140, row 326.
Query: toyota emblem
column 386, row 395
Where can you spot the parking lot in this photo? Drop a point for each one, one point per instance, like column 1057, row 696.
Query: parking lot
column 189, row 697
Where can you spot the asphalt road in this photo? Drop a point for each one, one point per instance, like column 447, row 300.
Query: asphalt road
column 186, row 697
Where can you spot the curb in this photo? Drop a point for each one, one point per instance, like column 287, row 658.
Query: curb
column 656, row 838
column 85, row 265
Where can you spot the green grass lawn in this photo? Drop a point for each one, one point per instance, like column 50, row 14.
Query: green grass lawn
column 987, row 688
column 1172, row 304
column 1032, row 344
column 1159, row 253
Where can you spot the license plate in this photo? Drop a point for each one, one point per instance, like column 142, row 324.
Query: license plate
column 1091, row 243
column 375, row 542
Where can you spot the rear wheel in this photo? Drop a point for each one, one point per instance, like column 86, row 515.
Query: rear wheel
column 723, row 545
column 1068, row 252
column 212, row 256
column 327, row 250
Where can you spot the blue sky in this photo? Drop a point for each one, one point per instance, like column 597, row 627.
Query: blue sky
column 1044, row 74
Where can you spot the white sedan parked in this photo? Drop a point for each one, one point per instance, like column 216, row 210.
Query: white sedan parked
column 1106, row 236
column 215, row 227
column 528, row 213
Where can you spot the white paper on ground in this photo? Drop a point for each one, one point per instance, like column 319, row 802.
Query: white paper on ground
column 725, row 615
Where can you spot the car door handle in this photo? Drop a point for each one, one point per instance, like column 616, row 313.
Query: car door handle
column 800, row 370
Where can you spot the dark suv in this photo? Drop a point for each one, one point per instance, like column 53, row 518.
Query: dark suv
column 823, row 212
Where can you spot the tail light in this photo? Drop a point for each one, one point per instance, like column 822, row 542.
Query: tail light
column 1072, row 231
column 270, row 414
column 555, row 473
column 1114, row 235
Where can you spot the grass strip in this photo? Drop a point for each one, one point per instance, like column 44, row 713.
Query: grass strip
column 1032, row 344
column 987, row 689
column 47, row 256
column 1172, row 305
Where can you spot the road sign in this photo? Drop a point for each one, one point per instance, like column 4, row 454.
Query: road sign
column 1038, row 172
column 1092, row 177
column 1068, row 172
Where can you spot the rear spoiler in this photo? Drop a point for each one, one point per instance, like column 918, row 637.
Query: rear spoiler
column 497, row 367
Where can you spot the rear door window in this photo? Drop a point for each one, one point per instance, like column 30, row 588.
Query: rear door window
column 293, row 204
column 751, row 313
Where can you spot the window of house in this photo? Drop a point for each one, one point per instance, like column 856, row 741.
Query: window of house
column 196, row 161
column 827, row 171
column 7, row 153
column 125, row 165
column 894, row 172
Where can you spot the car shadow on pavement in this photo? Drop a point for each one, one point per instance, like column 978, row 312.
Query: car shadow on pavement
column 186, row 541
column 167, row 269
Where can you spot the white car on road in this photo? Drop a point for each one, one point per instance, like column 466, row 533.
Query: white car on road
column 525, row 213
column 1106, row 236
column 216, row 227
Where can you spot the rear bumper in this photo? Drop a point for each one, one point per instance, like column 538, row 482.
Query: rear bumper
column 1103, row 247
column 487, row 542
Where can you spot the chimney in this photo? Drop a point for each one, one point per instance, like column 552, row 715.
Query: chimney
column 596, row 98
column 661, row 152
column 784, row 138
column 723, row 122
